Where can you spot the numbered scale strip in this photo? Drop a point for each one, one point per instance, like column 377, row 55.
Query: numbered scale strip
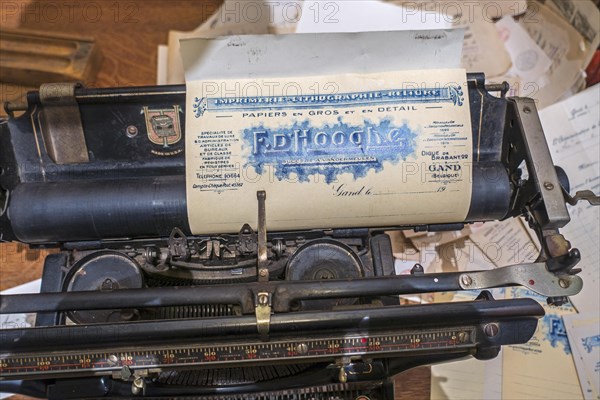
column 169, row 357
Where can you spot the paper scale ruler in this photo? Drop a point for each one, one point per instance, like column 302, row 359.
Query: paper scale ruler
column 315, row 349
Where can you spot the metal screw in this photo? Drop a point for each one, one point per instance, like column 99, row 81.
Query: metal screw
column 491, row 330
column 549, row 186
column 466, row 280
column 112, row 359
column 108, row 284
column 564, row 283
column 263, row 272
column 417, row 269
column 302, row 348
column 151, row 254
column 126, row 373
column 263, row 299
column 527, row 110
column 132, row 131
column 324, row 274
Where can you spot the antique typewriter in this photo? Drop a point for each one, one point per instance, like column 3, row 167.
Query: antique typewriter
column 134, row 305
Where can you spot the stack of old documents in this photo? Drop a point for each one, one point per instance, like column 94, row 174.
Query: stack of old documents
column 562, row 361
column 541, row 48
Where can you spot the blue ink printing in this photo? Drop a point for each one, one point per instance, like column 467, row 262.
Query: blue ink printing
column 330, row 150
column 451, row 94
column 556, row 333
column 590, row 342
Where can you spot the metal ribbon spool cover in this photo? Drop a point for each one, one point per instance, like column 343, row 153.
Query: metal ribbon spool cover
column 324, row 259
column 104, row 270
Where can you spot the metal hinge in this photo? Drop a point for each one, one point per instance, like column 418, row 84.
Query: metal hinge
column 60, row 123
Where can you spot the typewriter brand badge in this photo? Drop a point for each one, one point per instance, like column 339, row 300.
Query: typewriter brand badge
column 163, row 126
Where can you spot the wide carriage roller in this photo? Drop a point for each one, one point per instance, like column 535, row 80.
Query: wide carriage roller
column 112, row 180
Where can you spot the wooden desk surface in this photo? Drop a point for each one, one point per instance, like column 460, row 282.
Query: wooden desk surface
column 128, row 33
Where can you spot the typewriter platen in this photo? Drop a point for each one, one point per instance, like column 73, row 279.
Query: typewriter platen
column 155, row 311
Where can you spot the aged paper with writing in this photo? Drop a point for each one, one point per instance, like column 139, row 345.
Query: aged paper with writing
column 583, row 331
column 572, row 128
column 374, row 153
column 505, row 243
column 563, row 45
column 542, row 368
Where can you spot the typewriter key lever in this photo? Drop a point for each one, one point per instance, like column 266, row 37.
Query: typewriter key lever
column 263, row 261
column 262, row 299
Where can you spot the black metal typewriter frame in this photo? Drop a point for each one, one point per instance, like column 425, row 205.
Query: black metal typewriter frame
column 267, row 305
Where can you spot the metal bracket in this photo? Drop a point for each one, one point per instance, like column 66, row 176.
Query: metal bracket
column 263, row 314
column 60, row 122
column 584, row 195
column 342, row 364
column 528, row 143
column 123, row 374
column 138, row 387
column 533, row 276
column 126, row 374
column 178, row 245
column 247, row 240
column 263, row 261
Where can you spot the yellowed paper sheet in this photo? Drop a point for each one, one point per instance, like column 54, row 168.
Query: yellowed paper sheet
column 439, row 251
column 529, row 62
column 234, row 17
column 584, row 338
column 543, row 368
column 572, row 128
column 583, row 16
column 373, row 152
column 468, row 379
column 505, row 243
column 483, row 49
column 563, row 45
column 175, row 67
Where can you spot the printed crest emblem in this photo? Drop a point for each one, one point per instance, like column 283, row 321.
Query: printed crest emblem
column 163, row 126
